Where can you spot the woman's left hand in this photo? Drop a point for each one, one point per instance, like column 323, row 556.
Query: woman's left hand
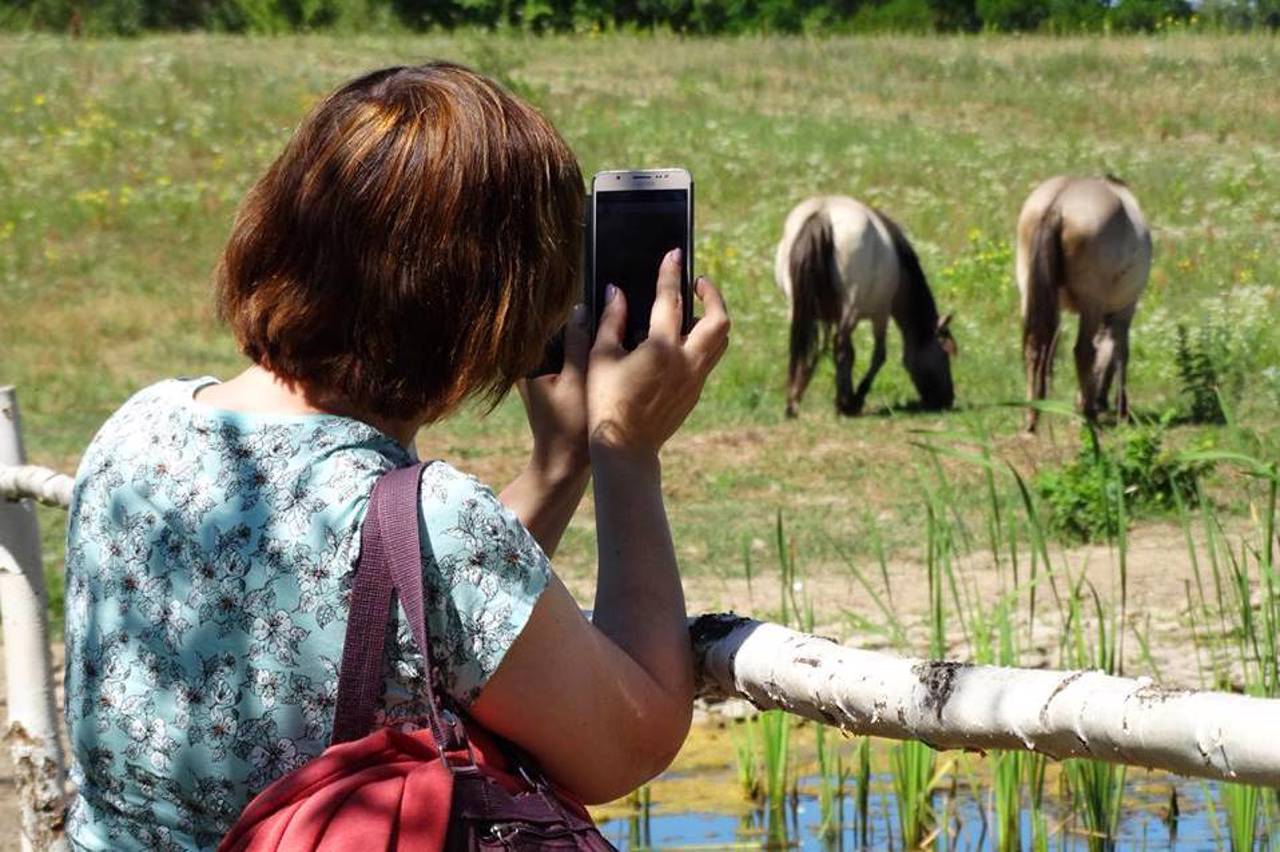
column 557, row 408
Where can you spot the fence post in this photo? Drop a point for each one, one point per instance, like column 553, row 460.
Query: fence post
column 32, row 729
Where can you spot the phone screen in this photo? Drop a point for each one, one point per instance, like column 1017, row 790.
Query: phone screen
column 634, row 230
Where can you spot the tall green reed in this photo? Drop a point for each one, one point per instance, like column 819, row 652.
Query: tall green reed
column 913, row 764
column 832, row 776
column 639, row 828
column 862, row 757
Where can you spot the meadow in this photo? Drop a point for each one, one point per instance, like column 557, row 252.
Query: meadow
column 122, row 162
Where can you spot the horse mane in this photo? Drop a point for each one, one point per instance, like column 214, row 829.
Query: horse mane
column 914, row 309
column 1118, row 181
column 815, row 296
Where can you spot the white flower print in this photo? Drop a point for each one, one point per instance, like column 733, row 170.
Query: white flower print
column 151, row 739
column 278, row 635
column 273, row 759
column 209, row 562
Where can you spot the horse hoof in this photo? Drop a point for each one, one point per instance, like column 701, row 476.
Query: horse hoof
column 792, row 414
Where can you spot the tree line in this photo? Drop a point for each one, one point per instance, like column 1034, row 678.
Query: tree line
column 127, row 17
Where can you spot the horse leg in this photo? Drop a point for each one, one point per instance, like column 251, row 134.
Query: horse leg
column 880, row 328
column 801, row 373
column 846, row 402
column 1039, row 347
column 1086, row 353
column 1111, row 339
column 1104, row 364
column 1119, row 366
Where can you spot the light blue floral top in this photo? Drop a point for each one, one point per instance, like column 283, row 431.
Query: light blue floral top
column 209, row 561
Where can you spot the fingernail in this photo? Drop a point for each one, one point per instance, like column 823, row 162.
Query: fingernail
column 610, row 292
column 579, row 314
column 673, row 256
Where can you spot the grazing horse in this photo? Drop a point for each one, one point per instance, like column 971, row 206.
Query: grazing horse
column 1084, row 246
column 841, row 262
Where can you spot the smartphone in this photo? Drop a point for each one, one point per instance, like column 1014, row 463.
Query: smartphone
column 636, row 217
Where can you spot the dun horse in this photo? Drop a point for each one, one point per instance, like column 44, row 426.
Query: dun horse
column 1084, row 246
column 841, row 262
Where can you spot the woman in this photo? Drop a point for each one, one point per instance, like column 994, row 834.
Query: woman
column 412, row 248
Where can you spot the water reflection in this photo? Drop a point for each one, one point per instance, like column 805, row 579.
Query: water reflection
column 1153, row 819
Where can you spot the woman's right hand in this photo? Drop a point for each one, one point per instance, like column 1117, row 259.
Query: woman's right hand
column 637, row 400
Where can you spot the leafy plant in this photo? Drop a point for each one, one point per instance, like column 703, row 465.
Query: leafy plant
column 1104, row 485
column 1208, row 370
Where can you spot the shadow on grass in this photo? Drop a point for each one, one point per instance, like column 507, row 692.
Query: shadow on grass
column 916, row 408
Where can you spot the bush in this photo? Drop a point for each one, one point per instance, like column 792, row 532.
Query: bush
column 1012, row 15
column 1147, row 15
column 899, row 16
column 1084, row 496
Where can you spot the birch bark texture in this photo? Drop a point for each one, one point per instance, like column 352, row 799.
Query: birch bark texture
column 32, row 728
column 951, row 705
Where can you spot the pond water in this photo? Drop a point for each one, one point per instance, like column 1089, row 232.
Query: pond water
column 700, row 804
column 666, row 827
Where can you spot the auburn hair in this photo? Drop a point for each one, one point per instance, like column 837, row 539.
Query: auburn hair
column 416, row 244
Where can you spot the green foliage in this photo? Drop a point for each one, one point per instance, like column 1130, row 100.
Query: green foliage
column 1210, row 369
column 898, row 16
column 1147, row 15
column 1085, row 496
column 130, row 17
column 1011, row 15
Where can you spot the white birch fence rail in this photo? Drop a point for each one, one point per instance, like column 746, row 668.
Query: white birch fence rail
column 948, row 705
column 32, row 728
column 32, row 482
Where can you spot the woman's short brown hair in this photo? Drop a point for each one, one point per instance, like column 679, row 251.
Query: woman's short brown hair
column 416, row 244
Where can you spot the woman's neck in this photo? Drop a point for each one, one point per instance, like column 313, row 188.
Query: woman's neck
column 258, row 390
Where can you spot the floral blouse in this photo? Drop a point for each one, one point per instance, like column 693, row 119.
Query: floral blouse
column 210, row 555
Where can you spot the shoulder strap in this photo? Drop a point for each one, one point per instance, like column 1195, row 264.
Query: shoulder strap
column 390, row 560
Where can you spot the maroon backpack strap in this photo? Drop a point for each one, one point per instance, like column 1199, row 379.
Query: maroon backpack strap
column 390, row 561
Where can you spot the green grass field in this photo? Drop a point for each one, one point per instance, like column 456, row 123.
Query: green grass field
column 122, row 162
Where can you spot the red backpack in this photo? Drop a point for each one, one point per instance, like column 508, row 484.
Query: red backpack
column 451, row 786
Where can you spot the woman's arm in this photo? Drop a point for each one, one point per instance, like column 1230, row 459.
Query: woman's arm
column 545, row 499
column 547, row 492
column 605, row 706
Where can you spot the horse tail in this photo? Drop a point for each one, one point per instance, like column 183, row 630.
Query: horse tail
column 815, row 293
column 1046, row 278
